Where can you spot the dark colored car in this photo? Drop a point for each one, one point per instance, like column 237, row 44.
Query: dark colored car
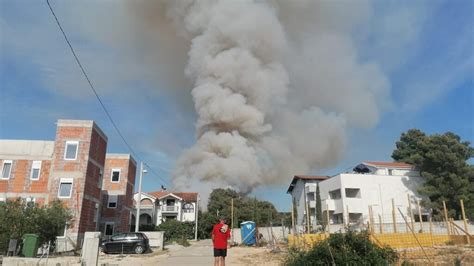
column 126, row 243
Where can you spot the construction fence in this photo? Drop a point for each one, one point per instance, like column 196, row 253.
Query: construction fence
column 397, row 230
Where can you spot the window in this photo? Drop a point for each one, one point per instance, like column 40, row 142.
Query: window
column 64, row 231
column 6, row 169
column 112, row 203
column 35, row 170
column 335, row 194
column 65, row 188
column 109, row 230
column 70, row 153
column 101, row 178
column 115, row 176
column 353, row 192
column 132, row 236
column 188, row 207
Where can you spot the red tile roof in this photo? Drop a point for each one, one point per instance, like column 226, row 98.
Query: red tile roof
column 389, row 164
column 186, row 196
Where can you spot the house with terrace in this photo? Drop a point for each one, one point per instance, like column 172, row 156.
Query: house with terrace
column 159, row 206
column 371, row 189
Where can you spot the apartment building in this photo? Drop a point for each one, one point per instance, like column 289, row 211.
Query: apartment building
column 347, row 197
column 75, row 169
column 159, row 206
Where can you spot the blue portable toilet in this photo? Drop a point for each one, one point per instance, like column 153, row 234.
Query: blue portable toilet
column 247, row 230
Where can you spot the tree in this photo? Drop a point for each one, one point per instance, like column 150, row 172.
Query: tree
column 245, row 208
column 442, row 161
column 319, row 211
column 18, row 217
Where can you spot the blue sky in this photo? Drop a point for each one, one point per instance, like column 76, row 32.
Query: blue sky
column 425, row 48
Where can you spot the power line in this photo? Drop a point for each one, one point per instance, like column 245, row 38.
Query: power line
column 96, row 94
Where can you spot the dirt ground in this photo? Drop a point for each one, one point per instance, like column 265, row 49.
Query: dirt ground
column 440, row 256
column 242, row 256
column 200, row 253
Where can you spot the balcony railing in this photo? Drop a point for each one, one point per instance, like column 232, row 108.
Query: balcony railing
column 169, row 208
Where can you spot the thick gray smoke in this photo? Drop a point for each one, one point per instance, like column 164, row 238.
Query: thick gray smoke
column 275, row 86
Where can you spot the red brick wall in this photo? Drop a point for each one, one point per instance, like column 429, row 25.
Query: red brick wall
column 20, row 181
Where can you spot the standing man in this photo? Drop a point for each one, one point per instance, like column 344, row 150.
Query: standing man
column 220, row 235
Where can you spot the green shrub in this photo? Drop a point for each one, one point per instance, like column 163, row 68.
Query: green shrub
column 350, row 248
column 18, row 217
column 175, row 230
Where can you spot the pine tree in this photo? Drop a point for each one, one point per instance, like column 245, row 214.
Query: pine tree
column 443, row 163
column 319, row 211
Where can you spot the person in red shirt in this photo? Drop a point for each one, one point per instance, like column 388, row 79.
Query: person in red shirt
column 220, row 235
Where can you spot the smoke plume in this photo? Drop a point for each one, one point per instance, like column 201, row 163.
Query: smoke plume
column 276, row 84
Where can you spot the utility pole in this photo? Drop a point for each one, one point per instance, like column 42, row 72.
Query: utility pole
column 137, row 217
column 197, row 215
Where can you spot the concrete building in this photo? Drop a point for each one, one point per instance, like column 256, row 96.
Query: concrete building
column 70, row 169
column 347, row 197
column 160, row 206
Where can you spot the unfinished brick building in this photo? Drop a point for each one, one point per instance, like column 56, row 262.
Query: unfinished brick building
column 97, row 187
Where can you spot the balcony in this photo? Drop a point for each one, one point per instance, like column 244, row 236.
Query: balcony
column 169, row 209
column 332, row 205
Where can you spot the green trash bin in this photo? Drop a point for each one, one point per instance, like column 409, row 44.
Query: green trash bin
column 30, row 245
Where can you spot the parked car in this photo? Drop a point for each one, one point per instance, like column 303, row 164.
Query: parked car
column 126, row 243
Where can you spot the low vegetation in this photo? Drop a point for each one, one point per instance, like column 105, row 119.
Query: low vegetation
column 176, row 231
column 351, row 248
column 18, row 217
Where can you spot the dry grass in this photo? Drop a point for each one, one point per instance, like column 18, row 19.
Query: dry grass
column 443, row 255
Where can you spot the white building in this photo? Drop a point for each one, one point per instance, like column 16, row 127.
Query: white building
column 347, row 197
column 160, row 206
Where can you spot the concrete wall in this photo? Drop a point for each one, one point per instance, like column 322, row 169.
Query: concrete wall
column 280, row 234
column 156, row 239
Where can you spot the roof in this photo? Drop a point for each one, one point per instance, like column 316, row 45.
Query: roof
column 304, row 177
column 26, row 149
column 396, row 165
column 186, row 196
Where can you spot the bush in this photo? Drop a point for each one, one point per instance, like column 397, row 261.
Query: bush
column 18, row 217
column 175, row 230
column 350, row 248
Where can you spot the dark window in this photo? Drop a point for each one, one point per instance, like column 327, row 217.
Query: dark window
column 115, row 175
column 109, row 230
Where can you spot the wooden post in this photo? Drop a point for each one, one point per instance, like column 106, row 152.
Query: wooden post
column 416, row 238
column 327, row 217
column 307, row 210
column 308, row 223
column 412, row 218
column 371, row 219
column 380, row 224
column 453, row 229
column 419, row 215
column 431, row 232
column 316, row 222
column 347, row 212
column 465, row 223
column 394, row 217
column 293, row 216
column 446, row 218
column 232, row 219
